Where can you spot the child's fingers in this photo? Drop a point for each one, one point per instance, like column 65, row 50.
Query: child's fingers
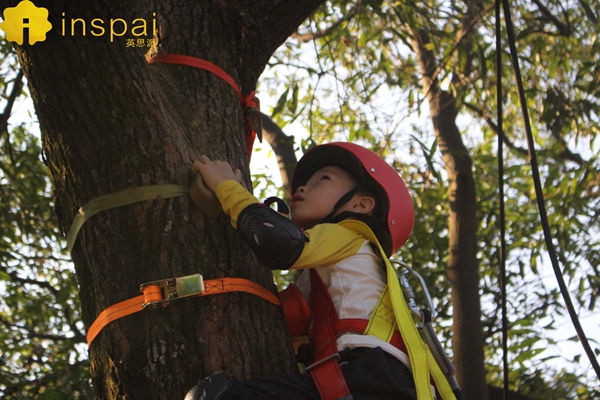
column 204, row 159
column 196, row 166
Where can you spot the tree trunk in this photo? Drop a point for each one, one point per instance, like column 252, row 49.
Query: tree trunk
column 111, row 122
column 463, row 266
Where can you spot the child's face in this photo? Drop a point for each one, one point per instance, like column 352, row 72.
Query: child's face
column 315, row 200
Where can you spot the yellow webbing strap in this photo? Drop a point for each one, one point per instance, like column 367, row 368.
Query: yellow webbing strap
column 122, row 198
column 383, row 321
column 422, row 361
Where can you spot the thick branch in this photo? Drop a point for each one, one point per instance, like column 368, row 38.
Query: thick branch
column 463, row 268
column 78, row 337
column 566, row 154
column 283, row 146
column 14, row 93
column 564, row 29
column 284, row 17
column 4, row 117
column 42, row 284
column 469, row 20
column 261, row 28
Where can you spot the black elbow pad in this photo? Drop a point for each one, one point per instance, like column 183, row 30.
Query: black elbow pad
column 276, row 240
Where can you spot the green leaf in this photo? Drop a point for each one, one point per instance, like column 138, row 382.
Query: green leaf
column 4, row 276
column 294, row 100
column 280, row 103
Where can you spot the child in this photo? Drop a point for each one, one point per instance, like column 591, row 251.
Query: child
column 349, row 211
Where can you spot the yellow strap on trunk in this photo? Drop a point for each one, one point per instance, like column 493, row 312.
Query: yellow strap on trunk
column 382, row 324
column 122, row 198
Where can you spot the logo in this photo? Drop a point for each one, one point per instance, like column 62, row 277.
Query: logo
column 26, row 22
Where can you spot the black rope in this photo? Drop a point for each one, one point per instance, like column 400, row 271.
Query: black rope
column 502, row 219
column 540, row 195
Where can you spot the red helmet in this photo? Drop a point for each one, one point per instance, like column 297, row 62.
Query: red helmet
column 366, row 166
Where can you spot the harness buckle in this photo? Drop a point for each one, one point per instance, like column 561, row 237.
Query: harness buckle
column 173, row 289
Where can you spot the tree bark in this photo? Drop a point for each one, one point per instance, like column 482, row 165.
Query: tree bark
column 463, row 266
column 111, row 122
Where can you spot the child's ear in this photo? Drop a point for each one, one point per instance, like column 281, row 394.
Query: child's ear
column 364, row 205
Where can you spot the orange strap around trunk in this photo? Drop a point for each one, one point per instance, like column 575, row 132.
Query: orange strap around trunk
column 153, row 293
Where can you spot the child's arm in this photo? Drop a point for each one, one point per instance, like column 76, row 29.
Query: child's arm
column 277, row 241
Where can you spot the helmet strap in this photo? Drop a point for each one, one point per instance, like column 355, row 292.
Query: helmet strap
column 340, row 203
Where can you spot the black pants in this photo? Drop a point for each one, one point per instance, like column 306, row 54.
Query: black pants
column 370, row 374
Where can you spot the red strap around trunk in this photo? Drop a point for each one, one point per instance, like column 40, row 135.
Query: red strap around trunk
column 248, row 102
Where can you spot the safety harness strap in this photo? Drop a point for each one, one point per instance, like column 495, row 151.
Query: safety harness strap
column 356, row 325
column 154, row 294
column 424, row 366
column 383, row 321
column 326, row 371
column 119, row 199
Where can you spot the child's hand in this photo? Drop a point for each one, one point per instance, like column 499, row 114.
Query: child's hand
column 215, row 172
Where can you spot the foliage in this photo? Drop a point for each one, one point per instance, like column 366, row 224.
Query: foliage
column 42, row 349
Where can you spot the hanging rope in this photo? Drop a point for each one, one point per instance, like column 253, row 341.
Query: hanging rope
column 502, row 219
column 539, row 194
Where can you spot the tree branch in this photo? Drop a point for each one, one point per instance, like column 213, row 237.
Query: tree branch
column 308, row 69
column 77, row 334
column 14, row 93
column 564, row 29
column 283, row 146
column 4, row 117
column 468, row 22
column 14, row 277
column 566, row 154
column 493, row 126
column 263, row 29
column 32, row 334
column 307, row 37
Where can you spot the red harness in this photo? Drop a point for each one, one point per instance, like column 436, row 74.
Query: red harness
column 327, row 325
column 325, row 371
